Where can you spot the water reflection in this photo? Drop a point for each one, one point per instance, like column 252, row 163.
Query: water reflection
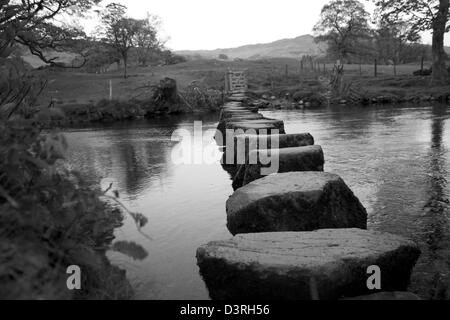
column 433, row 270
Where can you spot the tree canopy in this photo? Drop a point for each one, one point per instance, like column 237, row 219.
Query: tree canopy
column 343, row 25
column 31, row 23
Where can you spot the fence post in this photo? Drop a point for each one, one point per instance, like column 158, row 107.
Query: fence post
column 376, row 68
column 286, row 71
column 421, row 65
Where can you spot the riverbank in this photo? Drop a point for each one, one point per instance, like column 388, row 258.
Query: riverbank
column 83, row 95
column 315, row 91
column 52, row 220
column 105, row 111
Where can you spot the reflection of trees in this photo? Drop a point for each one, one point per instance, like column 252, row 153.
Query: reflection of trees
column 140, row 162
column 436, row 237
column 135, row 158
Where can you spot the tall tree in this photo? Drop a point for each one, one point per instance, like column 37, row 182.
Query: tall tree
column 146, row 38
column 423, row 15
column 343, row 25
column 119, row 31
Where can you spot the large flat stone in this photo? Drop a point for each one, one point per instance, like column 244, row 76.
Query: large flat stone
column 294, row 201
column 325, row 264
column 309, row 158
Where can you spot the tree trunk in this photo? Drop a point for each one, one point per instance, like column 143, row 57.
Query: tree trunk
column 440, row 74
column 125, row 64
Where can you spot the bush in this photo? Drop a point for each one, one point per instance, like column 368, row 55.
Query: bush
column 203, row 98
column 50, row 219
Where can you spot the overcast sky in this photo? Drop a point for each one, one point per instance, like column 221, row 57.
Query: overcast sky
column 212, row 24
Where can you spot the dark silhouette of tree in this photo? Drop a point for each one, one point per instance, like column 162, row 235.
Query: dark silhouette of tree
column 119, row 31
column 423, row 15
column 343, row 25
column 31, row 23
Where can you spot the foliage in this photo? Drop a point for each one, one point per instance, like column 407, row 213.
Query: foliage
column 146, row 40
column 394, row 40
column 170, row 58
column 18, row 88
column 343, row 25
column 423, row 15
column 420, row 14
column 100, row 56
column 49, row 217
column 119, row 31
column 201, row 97
column 130, row 249
column 31, row 23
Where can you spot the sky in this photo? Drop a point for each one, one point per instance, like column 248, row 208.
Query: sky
column 212, row 24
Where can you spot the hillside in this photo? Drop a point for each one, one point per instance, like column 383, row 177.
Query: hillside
column 286, row 48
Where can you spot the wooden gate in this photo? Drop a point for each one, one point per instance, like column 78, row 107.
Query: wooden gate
column 236, row 81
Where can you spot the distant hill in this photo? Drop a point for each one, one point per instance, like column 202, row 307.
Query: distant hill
column 286, row 48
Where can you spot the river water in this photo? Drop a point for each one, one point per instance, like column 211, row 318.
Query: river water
column 395, row 159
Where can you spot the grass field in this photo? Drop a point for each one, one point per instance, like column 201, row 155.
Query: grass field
column 265, row 76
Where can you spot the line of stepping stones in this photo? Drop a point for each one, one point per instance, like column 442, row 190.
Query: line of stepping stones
column 300, row 233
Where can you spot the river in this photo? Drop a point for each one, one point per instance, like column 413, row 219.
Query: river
column 395, row 159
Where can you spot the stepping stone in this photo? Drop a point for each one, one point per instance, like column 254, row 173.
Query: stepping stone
column 294, row 201
column 227, row 115
column 241, row 108
column 245, row 143
column 327, row 264
column 284, row 140
column 309, row 158
column 238, row 118
column 245, row 117
column 262, row 126
column 257, row 125
column 383, row 296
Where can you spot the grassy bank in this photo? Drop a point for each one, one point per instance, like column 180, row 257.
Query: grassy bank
column 82, row 96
